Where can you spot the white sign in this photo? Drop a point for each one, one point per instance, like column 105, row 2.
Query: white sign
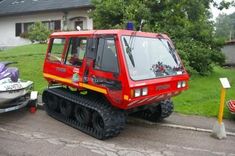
column 34, row 95
column 225, row 83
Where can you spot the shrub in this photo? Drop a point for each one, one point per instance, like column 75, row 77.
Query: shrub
column 198, row 57
column 24, row 35
column 38, row 33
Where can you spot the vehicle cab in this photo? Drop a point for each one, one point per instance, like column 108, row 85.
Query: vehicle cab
column 129, row 68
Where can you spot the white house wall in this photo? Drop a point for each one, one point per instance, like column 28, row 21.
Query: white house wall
column 229, row 51
column 7, row 24
column 87, row 23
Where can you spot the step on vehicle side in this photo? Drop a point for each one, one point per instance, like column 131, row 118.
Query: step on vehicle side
column 97, row 78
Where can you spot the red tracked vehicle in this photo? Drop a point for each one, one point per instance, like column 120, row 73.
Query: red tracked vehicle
column 97, row 78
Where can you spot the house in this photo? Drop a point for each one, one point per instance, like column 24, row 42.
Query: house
column 16, row 16
column 229, row 51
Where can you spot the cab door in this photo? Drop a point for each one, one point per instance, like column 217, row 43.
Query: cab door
column 53, row 65
column 74, row 58
column 106, row 72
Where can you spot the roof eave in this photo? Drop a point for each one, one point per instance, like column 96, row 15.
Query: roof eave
column 89, row 6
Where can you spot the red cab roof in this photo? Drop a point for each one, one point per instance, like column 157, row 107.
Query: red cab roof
column 105, row 32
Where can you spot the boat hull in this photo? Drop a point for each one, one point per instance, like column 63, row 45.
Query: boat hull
column 9, row 91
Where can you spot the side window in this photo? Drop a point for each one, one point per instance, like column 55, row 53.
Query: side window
column 76, row 51
column 57, row 48
column 106, row 58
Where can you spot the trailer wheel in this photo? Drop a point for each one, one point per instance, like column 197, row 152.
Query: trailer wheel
column 98, row 122
column 82, row 115
column 66, row 108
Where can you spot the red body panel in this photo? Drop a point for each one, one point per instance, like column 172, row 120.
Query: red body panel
column 158, row 88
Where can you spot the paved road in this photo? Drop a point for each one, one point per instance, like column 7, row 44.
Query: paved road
column 25, row 134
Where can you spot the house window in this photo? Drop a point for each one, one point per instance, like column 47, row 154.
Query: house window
column 53, row 25
column 57, row 25
column 27, row 26
column 18, row 29
column 78, row 23
column 23, row 28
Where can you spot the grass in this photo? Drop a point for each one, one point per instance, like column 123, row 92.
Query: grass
column 30, row 62
column 202, row 98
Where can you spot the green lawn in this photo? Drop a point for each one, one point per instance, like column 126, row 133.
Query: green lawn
column 30, row 62
column 202, row 98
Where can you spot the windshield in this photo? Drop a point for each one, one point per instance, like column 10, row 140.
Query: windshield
column 149, row 58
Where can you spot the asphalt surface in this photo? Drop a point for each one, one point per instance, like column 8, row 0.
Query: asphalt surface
column 192, row 121
column 199, row 122
column 26, row 134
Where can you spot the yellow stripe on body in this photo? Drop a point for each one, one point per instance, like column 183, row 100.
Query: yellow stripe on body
column 57, row 78
column 87, row 86
column 98, row 89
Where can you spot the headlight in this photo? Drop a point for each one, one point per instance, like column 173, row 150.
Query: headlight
column 137, row 92
column 144, row 91
column 179, row 84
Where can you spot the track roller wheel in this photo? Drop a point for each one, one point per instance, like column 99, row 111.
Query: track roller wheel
column 52, row 102
column 82, row 115
column 98, row 122
column 90, row 113
column 157, row 113
column 166, row 108
column 66, row 108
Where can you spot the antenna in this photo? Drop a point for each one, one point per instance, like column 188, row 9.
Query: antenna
column 141, row 24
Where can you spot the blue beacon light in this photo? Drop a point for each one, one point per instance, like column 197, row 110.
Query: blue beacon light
column 130, row 26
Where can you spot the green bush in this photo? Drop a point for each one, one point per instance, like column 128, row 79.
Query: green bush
column 24, row 35
column 218, row 57
column 198, row 57
column 188, row 23
column 38, row 33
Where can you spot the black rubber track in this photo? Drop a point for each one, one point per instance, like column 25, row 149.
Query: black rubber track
column 156, row 113
column 114, row 119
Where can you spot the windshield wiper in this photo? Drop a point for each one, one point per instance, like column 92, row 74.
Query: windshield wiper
column 129, row 52
column 171, row 50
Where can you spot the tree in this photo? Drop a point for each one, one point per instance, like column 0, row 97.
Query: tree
column 225, row 27
column 38, row 33
column 187, row 22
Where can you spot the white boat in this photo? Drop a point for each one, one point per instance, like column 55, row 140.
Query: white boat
column 10, row 90
column 14, row 92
